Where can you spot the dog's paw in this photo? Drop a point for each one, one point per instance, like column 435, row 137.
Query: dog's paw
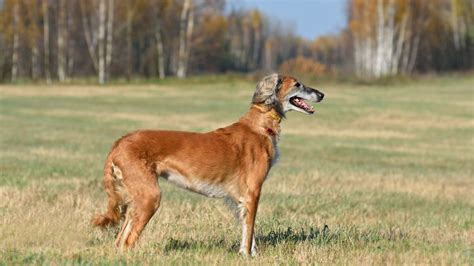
column 254, row 252
column 245, row 254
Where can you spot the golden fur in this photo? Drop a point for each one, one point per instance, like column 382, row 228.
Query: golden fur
column 230, row 162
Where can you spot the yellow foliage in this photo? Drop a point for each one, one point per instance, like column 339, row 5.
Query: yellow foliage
column 256, row 18
column 305, row 66
column 214, row 24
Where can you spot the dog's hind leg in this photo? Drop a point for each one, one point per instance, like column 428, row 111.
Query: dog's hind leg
column 124, row 232
column 112, row 182
column 145, row 197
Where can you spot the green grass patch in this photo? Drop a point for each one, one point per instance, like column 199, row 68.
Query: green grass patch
column 382, row 174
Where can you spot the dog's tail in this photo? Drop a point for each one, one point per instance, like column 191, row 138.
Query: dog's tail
column 112, row 182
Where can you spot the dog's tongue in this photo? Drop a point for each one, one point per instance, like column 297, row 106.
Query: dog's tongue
column 305, row 106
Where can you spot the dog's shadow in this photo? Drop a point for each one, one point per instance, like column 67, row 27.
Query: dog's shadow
column 173, row 244
column 273, row 238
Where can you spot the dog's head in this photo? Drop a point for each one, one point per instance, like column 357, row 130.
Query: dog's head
column 284, row 93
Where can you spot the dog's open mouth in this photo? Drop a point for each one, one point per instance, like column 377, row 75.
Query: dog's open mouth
column 300, row 103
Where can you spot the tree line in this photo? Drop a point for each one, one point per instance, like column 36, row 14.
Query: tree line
column 57, row 40
column 399, row 36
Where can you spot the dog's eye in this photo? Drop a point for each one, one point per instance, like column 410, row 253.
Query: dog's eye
column 297, row 84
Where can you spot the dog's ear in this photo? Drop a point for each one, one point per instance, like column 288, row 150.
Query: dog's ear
column 267, row 90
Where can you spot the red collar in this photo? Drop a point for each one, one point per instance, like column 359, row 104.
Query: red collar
column 271, row 132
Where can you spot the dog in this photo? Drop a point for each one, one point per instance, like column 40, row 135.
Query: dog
column 231, row 162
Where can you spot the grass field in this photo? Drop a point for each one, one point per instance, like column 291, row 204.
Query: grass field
column 381, row 174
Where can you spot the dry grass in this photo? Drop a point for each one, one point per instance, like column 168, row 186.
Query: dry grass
column 378, row 176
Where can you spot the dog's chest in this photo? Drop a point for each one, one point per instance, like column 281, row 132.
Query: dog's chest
column 276, row 153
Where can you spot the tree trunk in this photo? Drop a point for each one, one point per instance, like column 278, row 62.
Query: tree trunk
column 47, row 70
column 189, row 35
column 380, row 40
column 159, row 45
column 62, row 40
column 70, row 41
column 90, row 36
column 357, row 55
column 185, row 32
column 455, row 25
column 368, row 47
column 245, row 43
column 16, row 40
column 110, row 32
column 414, row 53
column 389, row 39
column 35, row 70
column 235, row 41
column 33, row 38
column 129, row 38
column 406, row 53
column 256, row 46
column 161, row 56
column 257, row 38
column 397, row 56
column 268, row 64
column 101, row 44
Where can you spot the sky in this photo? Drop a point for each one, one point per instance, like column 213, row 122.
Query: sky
column 312, row 18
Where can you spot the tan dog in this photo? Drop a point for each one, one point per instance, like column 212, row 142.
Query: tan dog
column 230, row 162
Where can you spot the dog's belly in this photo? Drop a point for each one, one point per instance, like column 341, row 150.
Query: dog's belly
column 202, row 187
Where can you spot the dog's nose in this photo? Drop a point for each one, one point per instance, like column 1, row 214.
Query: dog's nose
column 320, row 95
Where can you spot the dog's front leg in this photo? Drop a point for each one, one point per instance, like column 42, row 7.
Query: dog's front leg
column 248, row 207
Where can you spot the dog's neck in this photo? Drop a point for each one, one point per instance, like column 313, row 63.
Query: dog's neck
column 264, row 118
column 269, row 111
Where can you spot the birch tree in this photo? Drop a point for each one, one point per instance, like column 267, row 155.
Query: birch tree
column 246, row 40
column 247, row 37
column 110, row 34
column 462, row 28
column 235, row 38
column 32, row 34
column 47, row 69
column 461, row 19
column 16, row 40
column 130, row 13
column 185, row 34
column 71, row 43
column 269, row 63
column 386, row 36
column 158, row 37
column 160, row 49
column 257, row 38
column 101, row 39
column 159, row 10
column 98, row 30
column 62, row 39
